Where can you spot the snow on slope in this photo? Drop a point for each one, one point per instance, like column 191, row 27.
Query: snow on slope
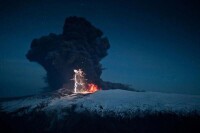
column 117, row 102
column 120, row 102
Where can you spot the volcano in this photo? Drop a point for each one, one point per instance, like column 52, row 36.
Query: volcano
column 102, row 111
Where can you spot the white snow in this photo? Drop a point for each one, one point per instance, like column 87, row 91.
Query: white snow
column 32, row 102
column 118, row 102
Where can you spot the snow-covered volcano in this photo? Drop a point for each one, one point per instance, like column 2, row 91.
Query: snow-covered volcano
column 119, row 102
column 104, row 104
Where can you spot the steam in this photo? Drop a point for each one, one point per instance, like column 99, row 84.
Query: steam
column 81, row 45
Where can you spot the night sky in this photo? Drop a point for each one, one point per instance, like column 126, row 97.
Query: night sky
column 155, row 45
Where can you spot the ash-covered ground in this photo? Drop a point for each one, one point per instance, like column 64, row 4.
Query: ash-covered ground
column 104, row 111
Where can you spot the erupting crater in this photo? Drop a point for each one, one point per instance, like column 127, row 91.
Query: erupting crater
column 81, row 85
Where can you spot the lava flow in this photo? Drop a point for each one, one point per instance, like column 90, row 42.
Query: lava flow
column 81, row 85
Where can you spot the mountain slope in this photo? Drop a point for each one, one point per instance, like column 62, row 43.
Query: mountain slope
column 103, row 111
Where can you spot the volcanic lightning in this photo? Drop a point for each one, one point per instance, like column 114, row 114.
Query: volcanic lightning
column 81, row 85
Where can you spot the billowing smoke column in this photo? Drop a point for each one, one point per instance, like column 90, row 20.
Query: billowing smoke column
column 81, row 45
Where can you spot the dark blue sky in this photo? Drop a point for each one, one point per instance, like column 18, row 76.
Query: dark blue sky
column 155, row 44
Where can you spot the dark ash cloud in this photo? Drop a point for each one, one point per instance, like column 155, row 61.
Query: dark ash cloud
column 81, row 45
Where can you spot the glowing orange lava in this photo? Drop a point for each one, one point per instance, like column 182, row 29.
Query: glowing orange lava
column 92, row 88
column 81, row 85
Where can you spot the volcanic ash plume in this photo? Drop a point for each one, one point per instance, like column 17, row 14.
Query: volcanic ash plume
column 81, row 45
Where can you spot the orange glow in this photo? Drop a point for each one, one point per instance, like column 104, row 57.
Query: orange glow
column 80, row 84
column 92, row 88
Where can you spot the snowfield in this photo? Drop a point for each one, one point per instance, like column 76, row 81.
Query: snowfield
column 116, row 102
